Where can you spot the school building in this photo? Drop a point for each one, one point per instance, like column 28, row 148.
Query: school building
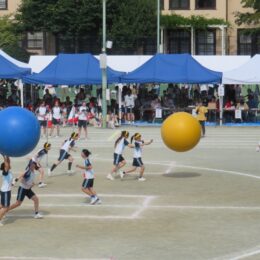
column 217, row 39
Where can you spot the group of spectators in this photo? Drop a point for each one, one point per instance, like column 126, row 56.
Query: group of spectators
column 138, row 102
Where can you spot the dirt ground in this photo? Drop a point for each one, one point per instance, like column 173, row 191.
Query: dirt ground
column 202, row 204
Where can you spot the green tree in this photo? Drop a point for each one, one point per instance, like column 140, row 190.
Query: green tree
column 73, row 20
column 249, row 18
column 9, row 39
column 134, row 25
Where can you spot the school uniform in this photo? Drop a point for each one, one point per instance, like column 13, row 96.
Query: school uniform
column 83, row 119
column 88, row 176
column 64, row 151
column 42, row 115
column 137, row 161
column 119, row 151
column 25, row 188
column 6, row 188
column 56, row 115
column 37, row 158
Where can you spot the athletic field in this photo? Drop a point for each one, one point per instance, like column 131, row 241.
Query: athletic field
column 202, row 204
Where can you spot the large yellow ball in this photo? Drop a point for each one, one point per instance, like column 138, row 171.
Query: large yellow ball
column 181, row 132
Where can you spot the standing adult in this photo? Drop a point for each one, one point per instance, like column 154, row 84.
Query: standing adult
column 201, row 112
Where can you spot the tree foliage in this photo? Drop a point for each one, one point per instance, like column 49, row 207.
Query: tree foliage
column 249, row 18
column 74, row 19
column 135, row 22
column 196, row 21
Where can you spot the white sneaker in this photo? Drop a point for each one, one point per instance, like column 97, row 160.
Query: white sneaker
column 110, row 177
column 141, row 179
column 257, row 149
column 42, row 185
column 1, row 224
column 122, row 174
column 94, row 200
column 49, row 172
column 38, row 216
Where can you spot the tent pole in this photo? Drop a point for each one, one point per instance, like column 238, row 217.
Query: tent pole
column 20, row 84
column 119, row 93
column 103, row 66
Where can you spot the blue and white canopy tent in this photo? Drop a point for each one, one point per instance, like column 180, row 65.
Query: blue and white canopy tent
column 11, row 68
column 73, row 69
column 172, row 68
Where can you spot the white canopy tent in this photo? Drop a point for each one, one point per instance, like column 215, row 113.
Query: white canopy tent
column 222, row 63
column 248, row 73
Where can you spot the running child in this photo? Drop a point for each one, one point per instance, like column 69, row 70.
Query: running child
column 64, row 153
column 25, row 189
column 37, row 159
column 119, row 160
column 137, row 161
column 88, row 183
column 5, row 188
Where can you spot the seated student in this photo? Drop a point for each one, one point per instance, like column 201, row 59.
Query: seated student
column 229, row 113
column 242, row 105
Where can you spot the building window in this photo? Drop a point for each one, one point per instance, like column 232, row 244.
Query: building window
column 179, row 41
column 205, row 4
column 248, row 44
column 162, row 4
column 206, row 42
column 3, row 4
column 35, row 40
column 179, row 4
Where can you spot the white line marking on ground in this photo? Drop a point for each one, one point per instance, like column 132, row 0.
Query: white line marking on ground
column 170, row 168
column 220, row 170
column 240, row 255
column 67, row 195
column 47, row 258
column 144, row 206
column 74, row 216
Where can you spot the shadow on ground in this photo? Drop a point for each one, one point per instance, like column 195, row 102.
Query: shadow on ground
column 182, row 174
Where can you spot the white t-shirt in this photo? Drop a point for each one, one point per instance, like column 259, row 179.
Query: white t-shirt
column 7, row 182
column 88, row 174
column 130, row 101
column 138, row 149
column 56, row 112
column 68, row 143
column 121, row 146
column 28, row 179
column 41, row 113
column 83, row 113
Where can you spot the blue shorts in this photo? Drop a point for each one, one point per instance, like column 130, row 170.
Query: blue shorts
column 118, row 158
column 88, row 183
column 137, row 162
column 24, row 192
column 5, row 198
column 63, row 155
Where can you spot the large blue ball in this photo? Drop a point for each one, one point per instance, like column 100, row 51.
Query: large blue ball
column 19, row 131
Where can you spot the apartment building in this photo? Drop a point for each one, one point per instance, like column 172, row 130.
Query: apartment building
column 217, row 39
